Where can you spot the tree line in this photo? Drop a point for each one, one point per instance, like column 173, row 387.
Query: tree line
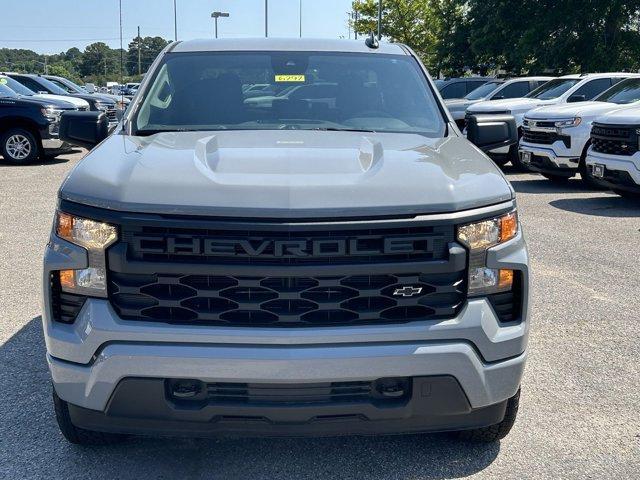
column 98, row 63
column 516, row 36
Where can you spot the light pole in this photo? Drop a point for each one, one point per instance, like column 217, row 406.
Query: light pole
column 266, row 18
column 175, row 21
column 379, row 18
column 215, row 16
column 300, row 16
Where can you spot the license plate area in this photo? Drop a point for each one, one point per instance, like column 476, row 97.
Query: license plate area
column 525, row 157
column 598, row 170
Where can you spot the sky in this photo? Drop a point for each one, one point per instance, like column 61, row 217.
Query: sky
column 53, row 26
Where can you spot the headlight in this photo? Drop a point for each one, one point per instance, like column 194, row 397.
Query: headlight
column 102, row 106
column 573, row 122
column 52, row 113
column 478, row 237
column 95, row 237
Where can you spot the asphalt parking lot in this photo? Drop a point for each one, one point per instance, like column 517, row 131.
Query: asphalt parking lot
column 580, row 408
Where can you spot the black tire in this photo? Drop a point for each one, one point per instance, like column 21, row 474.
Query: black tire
column 627, row 194
column 496, row 432
column 79, row 436
column 556, row 178
column 514, row 157
column 19, row 146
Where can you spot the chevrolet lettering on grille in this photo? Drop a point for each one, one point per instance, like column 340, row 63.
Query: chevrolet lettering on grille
column 286, row 248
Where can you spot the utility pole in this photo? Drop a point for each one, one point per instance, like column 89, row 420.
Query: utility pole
column 266, row 18
column 215, row 16
column 300, row 16
column 139, row 58
column 349, row 24
column 379, row 19
column 175, row 21
column 121, row 50
column 46, row 66
column 355, row 19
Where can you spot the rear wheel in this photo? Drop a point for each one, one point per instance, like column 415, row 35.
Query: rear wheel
column 18, row 146
column 80, row 436
column 496, row 432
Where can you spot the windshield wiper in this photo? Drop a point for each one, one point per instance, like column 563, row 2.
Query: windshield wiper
column 335, row 129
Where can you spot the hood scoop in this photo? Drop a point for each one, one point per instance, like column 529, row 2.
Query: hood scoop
column 285, row 163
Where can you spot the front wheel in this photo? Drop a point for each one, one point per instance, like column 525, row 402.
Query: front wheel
column 496, row 432
column 556, row 178
column 80, row 436
column 18, row 146
column 514, row 156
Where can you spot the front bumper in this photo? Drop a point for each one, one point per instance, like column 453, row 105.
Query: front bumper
column 92, row 357
column 621, row 173
column 545, row 160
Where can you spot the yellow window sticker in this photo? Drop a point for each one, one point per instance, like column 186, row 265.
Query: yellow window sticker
column 290, row 78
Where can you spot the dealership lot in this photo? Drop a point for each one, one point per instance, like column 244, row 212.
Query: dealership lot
column 579, row 411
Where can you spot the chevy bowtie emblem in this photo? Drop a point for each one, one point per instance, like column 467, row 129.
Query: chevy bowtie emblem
column 407, row 291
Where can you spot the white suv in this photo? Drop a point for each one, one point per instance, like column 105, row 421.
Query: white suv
column 555, row 139
column 493, row 90
column 613, row 159
column 563, row 90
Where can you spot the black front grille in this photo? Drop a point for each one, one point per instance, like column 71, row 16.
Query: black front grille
column 614, row 140
column 111, row 114
column 287, row 301
column 65, row 306
column 540, row 138
column 302, row 247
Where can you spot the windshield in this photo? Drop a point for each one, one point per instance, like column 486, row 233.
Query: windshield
column 483, row 90
column 67, row 85
column 16, row 86
column 6, row 92
column 331, row 91
column 51, row 87
column 622, row 93
column 553, row 89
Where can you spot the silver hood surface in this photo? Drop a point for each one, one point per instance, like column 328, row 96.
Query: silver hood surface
column 286, row 174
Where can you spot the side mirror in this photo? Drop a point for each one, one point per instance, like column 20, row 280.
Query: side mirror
column 84, row 129
column 577, row 98
column 489, row 132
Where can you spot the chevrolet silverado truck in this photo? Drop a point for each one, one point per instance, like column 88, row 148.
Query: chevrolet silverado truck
column 338, row 265
column 29, row 127
column 497, row 89
column 561, row 91
column 613, row 158
column 555, row 139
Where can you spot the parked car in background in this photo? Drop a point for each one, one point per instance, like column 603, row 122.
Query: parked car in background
column 258, row 90
column 459, row 87
column 561, row 91
column 29, row 126
column 613, row 158
column 297, row 97
column 493, row 90
column 96, row 103
column 22, row 89
column 73, row 88
column 555, row 139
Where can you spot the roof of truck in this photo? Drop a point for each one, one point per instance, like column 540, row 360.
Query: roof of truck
column 286, row 44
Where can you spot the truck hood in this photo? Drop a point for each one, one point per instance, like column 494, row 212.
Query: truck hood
column 286, row 174
column 76, row 102
column 569, row 110
column 460, row 105
column 513, row 105
column 624, row 116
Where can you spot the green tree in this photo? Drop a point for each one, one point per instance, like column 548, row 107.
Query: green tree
column 150, row 47
column 99, row 59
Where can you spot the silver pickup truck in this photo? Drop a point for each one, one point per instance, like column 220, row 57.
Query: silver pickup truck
column 338, row 260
